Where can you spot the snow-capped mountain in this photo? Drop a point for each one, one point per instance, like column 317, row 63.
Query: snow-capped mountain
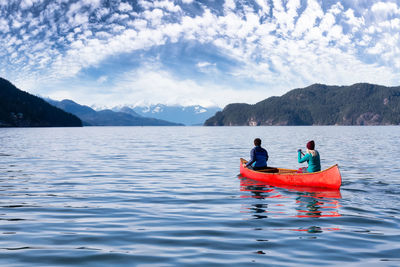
column 188, row 115
column 107, row 117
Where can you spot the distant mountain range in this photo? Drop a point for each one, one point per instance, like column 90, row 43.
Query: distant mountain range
column 21, row 109
column 91, row 117
column 188, row 115
column 318, row 104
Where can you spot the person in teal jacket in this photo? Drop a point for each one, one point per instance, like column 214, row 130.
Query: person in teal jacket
column 312, row 158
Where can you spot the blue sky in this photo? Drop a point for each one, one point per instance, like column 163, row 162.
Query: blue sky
column 208, row 52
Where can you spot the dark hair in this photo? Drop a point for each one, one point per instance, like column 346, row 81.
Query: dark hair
column 257, row 142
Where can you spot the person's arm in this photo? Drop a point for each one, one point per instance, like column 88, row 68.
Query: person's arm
column 302, row 159
column 252, row 157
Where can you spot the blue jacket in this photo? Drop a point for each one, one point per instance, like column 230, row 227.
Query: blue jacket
column 314, row 163
column 258, row 157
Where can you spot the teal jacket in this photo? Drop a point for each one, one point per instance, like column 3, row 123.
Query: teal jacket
column 314, row 163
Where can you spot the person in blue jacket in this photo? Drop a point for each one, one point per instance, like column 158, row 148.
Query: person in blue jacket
column 312, row 158
column 258, row 156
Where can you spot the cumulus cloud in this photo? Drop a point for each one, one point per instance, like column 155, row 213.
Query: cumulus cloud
column 385, row 8
column 274, row 44
column 26, row 4
column 4, row 28
column 125, row 7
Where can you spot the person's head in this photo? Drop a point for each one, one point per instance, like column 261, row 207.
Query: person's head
column 311, row 148
column 311, row 145
column 257, row 142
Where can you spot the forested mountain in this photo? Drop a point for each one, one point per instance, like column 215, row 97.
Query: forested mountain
column 107, row 117
column 318, row 104
column 21, row 109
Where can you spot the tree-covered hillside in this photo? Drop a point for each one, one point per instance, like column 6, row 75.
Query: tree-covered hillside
column 358, row 104
column 21, row 109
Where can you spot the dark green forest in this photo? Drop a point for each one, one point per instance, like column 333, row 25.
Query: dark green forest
column 318, row 104
column 21, row 109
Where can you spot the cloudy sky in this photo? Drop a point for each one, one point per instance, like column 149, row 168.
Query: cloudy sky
column 207, row 52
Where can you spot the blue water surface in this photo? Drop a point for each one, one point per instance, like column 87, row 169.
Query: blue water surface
column 171, row 196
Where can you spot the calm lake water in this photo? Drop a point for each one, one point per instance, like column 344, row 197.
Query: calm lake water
column 171, row 196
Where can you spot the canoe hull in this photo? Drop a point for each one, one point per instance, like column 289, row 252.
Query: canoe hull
column 329, row 178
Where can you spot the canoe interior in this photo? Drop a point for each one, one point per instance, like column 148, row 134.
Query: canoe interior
column 272, row 169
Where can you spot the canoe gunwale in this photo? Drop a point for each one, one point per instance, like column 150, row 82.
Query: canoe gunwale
column 328, row 178
column 290, row 171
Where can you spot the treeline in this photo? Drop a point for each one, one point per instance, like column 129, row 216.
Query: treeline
column 318, row 104
column 21, row 109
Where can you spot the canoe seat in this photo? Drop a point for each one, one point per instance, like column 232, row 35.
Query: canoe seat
column 269, row 170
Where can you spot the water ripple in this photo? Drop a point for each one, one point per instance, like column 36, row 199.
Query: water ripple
column 170, row 196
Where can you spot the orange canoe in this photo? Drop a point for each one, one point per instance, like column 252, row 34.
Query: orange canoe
column 329, row 178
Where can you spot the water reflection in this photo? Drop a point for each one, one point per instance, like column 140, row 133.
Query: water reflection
column 259, row 211
column 285, row 202
column 310, row 206
column 308, row 202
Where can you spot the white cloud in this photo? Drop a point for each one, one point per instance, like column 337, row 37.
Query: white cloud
column 160, row 4
column 265, row 7
column 102, row 79
column 74, row 8
column 158, row 86
column 167, row 5
column 4, row 28
column 16, row 24
column 92, row 3
column 308, row 18
column 78, row 19
column 278, row 52
column 26, row 4
column 208, row 68
column 102, row 12
column 355, row 22
column 393, row 24
column 124, row 7
column 385, row 8
column 205, row 64
column 118, row 17
column 229, row 5
column 154, row 16
column 103, row 35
